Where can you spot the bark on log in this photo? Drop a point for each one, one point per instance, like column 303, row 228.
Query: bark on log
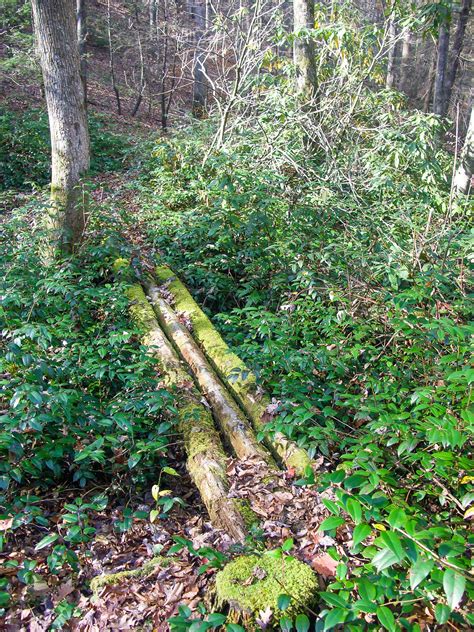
column 238, row 379
column 233, row 424
column 206, row 459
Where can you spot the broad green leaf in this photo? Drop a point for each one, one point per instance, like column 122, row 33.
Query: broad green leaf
column 354, row 509
column 442, row 612
column 46, row 541
column 454, row 585
column 419, row 571
column 361, row 532
column 392, row 540
column 384, row 559
column 331, row 523
column 386, row 618
column 170, row 470
column 333, row 599
column 283, row 601
column 302, row 623
column 397, row 518
column 334, row 617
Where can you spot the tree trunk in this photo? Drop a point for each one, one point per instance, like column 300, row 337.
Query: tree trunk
column 303, row 49
column 111, row 60
column 232, row 422
column 236, row 376
column 439, row 101
column 457, row 48
column 81, row 21
column 56, row 36
column 199, row 73
column 392, row 36
column 206, row 459
column 464, row 174
column 405, row 63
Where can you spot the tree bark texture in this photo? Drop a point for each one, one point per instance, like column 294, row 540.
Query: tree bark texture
column 439, row 100
column 206, row 459
column 457, row 47
column 81, row 22
column 392, row 36
column 232, row 422
column 199, row 74
column 304, row 50
column 236, row 376
column 405, row 63
column 56, row 36
column 464, row 174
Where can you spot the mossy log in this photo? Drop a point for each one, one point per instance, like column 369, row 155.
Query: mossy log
column 112, row 579
column 236, row 376
column 251, row 585
column 206, row 458
column 233, row 423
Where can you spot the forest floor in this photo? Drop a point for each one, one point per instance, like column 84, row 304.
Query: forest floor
column 125, row 539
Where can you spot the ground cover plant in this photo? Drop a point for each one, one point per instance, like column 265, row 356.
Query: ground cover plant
column 353, row 308
column 288, row 166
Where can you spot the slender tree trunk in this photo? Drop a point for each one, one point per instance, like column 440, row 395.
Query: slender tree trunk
column 405, row 62
column 142, row 87
column 392, row 36
column 430, row 83
column 463, row 179
column 439, row 101
column 304, row 50
column 56, row 37
column 199, row 71
column 457, row 48
column 164, row 68
column 112, row 61
column 81, row 20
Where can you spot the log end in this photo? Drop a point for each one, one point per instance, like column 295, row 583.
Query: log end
column 252, row 584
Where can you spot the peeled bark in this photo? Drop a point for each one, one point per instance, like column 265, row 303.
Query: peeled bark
column 304, row 55
column 238, row 379
column 206, row 459
column 56, row 37
column 232, row 422
column 464, row 174
column 439, row 101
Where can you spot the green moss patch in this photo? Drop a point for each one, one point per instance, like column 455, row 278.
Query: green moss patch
column 251, row 584
column 112, row 579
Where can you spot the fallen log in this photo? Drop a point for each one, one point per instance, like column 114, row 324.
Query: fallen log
column 206, row 458
column 233, row 423
column 236, row 376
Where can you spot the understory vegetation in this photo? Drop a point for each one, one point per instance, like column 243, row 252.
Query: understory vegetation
column 333, row 256
column 350, row 300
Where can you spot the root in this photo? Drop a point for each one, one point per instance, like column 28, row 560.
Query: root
column 112, row 579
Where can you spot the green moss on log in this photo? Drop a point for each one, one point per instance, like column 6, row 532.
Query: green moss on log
column 251, row 584
column 112, row 579
column 236, row 375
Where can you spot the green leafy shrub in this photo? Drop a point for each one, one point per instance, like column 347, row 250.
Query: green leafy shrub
column 25, row 148
column 353, row 309
column 79, row 392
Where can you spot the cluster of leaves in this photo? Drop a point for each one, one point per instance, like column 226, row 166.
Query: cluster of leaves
column 25, row 156
column 79, row 401
column 351, row 303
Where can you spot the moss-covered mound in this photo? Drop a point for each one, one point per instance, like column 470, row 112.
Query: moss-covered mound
column 251, row 584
